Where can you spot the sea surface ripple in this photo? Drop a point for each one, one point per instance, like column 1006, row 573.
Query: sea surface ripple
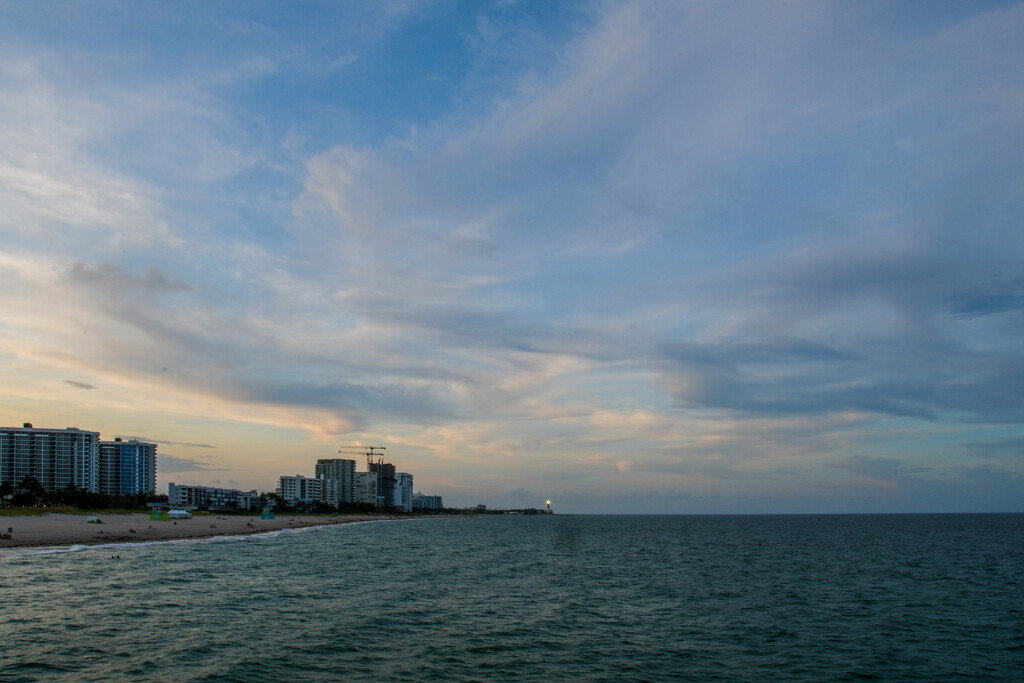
column 598, row 598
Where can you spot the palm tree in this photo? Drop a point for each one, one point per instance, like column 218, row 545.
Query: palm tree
column 31, row 488
column 30, row 492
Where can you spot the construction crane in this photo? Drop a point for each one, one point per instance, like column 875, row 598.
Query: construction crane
column 370, row 452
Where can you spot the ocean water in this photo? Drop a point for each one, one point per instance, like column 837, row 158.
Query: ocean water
column 596, row 598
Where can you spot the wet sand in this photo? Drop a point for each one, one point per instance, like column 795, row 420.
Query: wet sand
column 66, row 529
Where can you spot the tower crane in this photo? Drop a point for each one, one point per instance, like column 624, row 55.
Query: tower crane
column 369, row 451
column 371, row 454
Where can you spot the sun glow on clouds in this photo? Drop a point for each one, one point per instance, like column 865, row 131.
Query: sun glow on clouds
column 735, row 256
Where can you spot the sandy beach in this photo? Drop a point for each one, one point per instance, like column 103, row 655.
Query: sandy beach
column 68, row 529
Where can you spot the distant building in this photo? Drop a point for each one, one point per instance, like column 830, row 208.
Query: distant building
column 249, row 500
column 386, row 482
column 341, row 471
column 300, row 489
column 403, row 491
column 422, row 502
column 364, row 488
column 109, row 470
column 127, row 468
column 209, row 497
column 292, row 489
column 54, row 457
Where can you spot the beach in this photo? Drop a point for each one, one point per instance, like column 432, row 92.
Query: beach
column 74, row 529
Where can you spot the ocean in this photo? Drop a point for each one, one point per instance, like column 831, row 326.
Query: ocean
column 589, row 598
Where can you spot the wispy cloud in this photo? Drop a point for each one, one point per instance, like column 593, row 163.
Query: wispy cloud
column 999, row 449
column 171, row 443
column 170, row 464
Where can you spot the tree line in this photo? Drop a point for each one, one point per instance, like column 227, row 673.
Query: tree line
column 30, row 492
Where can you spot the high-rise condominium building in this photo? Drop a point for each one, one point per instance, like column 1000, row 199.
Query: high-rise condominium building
column 54, row 457
column 364, row 488
column 403, row 491
column 127, row 467
column 340, row 470
column 386, row 481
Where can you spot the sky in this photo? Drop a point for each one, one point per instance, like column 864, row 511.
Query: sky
column 629, row 256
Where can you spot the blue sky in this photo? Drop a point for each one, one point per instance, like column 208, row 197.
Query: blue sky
column 628, row 256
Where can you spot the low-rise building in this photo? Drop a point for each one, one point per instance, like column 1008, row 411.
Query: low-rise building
column 423, row 502
column 250, row 500
column 209, row 497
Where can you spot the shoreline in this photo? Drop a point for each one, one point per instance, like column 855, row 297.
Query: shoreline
column 63, row 529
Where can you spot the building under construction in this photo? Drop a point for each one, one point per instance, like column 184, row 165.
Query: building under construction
column 386, row 481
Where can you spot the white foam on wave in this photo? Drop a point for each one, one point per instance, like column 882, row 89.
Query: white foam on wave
column 50, row 550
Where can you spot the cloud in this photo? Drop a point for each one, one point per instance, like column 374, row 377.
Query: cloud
column 630, row 68
column 1000, row 297
column 998, row 449
column 78, row 385
column 171, row 443
column 169, row 464
column 881, row 470
column 116, row 280
column 877, row 332
column 51, row 190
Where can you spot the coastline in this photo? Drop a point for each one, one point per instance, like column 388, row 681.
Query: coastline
column 62, row 529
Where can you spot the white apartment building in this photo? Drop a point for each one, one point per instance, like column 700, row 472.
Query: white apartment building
column 209, row 497
column 425, row 502
column 300, row 489
column 364, row 487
